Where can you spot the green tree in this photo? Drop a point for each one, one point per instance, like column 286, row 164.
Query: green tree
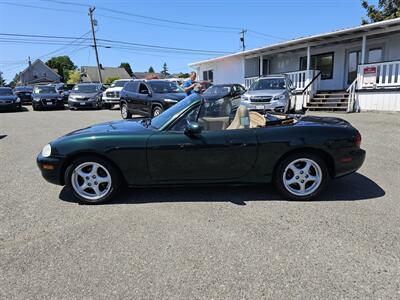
column 151, row 70
column 63, row 64
column 165, row 70
column 2, row 80
column 183, row 75
column 74, row 76
column 385, row 10
column 127, row 67
column 15, row 81
column 110, row 80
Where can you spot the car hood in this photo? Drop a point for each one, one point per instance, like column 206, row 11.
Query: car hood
column 114, row 89
column 265, row 92
column 131, row 126
column 51, row 95
column 214, row 96
column 8, row 97
column 173, row 96
column 83, row 95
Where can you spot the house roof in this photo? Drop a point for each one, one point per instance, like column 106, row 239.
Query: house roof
column 144, row 75
column 38, row 61
column 92, row 74
column 348, row 33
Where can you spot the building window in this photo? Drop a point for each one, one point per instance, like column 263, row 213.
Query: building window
column 375, row 55
column 208, row 75
column 321, row 62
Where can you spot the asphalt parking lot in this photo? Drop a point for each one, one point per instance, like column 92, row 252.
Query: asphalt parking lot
column 202, row 243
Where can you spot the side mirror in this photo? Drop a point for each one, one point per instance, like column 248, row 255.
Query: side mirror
column 192, row 128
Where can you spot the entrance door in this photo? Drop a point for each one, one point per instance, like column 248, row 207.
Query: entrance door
column 353, row 60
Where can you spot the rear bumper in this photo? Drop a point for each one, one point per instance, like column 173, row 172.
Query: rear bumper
column 55, row 175
column 350, row 162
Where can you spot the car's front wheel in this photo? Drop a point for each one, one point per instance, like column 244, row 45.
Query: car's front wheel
column 301, row 176
column 92, row 180
column 125, row 114
column 157, row 110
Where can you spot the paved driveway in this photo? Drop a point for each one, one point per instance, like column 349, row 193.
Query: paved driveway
column 183, row 243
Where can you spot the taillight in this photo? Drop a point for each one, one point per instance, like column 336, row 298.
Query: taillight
column 357, row 139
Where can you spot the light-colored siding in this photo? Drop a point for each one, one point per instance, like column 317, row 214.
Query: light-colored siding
column 227, row 71
column 379, row 100
column 40, row 71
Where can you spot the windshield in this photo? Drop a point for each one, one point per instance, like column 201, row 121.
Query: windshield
column 44, row 90
column 24, row 88
column 118, row 83
column 167, row 115
column 6, row 92
column 268, row 84
column 164, row 87
column 218, row 89
column 86, row 89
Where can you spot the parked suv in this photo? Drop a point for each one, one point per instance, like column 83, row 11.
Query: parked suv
column 271, row 93
column 111, row 95
column 46, row 96
column 149, row 97
column 86, row 95
column 24, row 93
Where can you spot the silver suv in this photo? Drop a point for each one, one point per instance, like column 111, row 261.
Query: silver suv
column 271, row 93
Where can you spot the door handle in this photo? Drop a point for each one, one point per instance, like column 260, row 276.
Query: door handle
column 185, row 145
column 236, row 143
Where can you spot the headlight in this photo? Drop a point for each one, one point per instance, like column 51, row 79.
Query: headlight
column 36, row 98
column 59, row 98
column 18, row 100
column 220, row 101
column 70, row 97
column 279, row 97
column 171, row 100
column 46, row 152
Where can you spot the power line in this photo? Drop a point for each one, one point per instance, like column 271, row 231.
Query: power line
column 118, row 42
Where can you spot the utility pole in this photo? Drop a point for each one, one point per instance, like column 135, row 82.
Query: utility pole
column 91, row 10
column 242, row 39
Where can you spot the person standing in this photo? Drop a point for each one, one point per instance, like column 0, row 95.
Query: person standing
column 189, row 84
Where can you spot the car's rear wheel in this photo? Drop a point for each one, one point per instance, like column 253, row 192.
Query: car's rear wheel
column 92, row 180
column 301, row 176
column 157, row 110
column 125, row 111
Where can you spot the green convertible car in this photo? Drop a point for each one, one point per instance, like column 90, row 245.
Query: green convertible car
column 203, row 140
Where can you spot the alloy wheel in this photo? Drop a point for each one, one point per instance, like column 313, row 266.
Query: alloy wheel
column 124, row 111
column 91, row 180
column 302, row 177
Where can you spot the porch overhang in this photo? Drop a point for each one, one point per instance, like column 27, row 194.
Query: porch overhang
column 335, row 37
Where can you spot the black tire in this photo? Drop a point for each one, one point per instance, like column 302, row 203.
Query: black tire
column 125, row 114
column 34, row 107
column 157, row 109
column 105, row 164
column 315, row 189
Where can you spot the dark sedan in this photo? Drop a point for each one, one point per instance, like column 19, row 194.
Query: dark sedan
column 8, row 100
column 187, row 145
column 149, row 98
column 86, row 95
column 46, row 96
column 24, row 93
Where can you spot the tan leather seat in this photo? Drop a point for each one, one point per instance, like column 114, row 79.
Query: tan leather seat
column 214, row 123
column 241, row 120
column 257, row 119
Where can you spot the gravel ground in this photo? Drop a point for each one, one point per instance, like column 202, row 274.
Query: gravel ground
column 202, row 243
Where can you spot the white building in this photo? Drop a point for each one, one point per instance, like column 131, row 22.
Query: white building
column 349, row 69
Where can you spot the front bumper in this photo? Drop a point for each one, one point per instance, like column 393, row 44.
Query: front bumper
column 54, row 175
column 9, row 106
column 110, row 100
column 274, row 106
column 43, row 103
column 83, row 104
column 349, row 162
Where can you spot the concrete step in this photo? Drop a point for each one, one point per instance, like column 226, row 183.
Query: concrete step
column 328, row 103
column 331, row 98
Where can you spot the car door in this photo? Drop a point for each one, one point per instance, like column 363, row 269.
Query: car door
column 212, row 155
column 143, row 99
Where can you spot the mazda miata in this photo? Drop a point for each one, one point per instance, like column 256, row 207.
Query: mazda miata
column 203, row 141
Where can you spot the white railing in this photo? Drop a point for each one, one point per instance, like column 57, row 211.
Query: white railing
column 379, row 75
column 249, row 81
column 299, row 79
column 352, row 105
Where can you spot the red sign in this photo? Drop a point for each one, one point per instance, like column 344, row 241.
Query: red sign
column 370, row 70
